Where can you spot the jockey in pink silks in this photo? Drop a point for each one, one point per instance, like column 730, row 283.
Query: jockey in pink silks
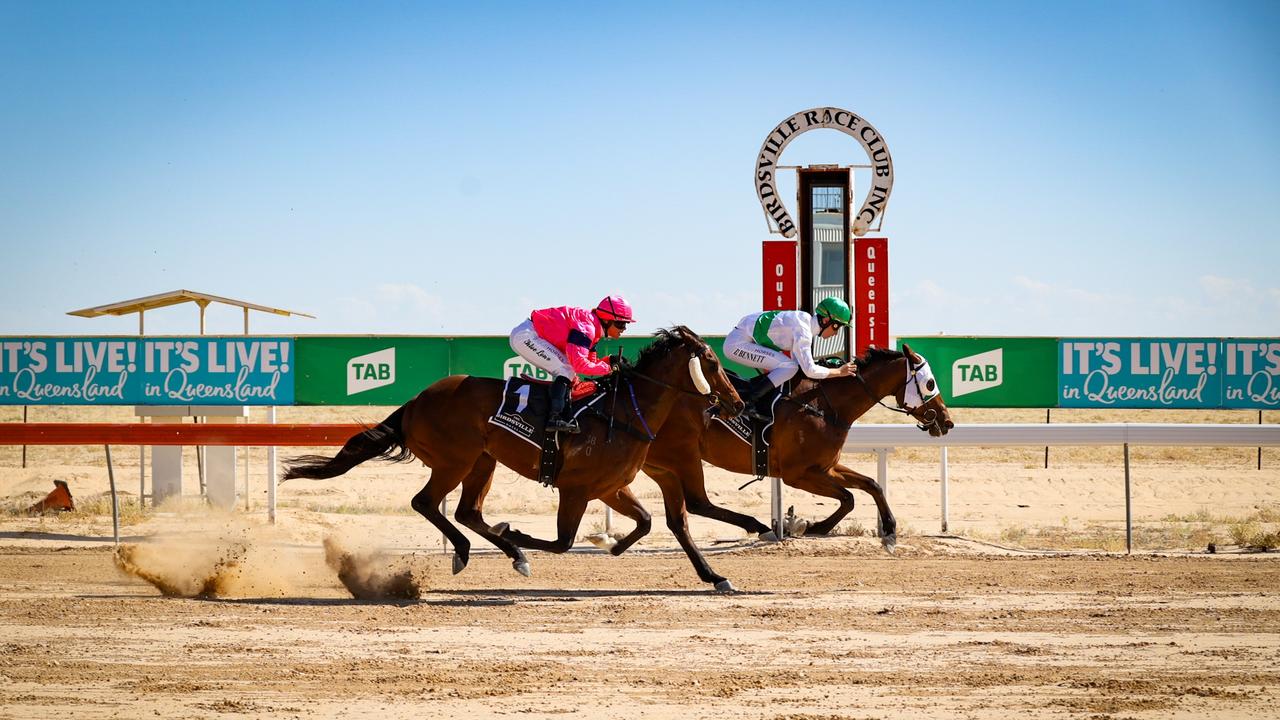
column 562, row 341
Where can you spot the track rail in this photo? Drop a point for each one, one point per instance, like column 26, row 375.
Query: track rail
column 243, row 435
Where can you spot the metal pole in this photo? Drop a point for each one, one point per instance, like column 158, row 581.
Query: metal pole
column 1046, row 447
column 946, row 513
column 142, row 449
column 444, row 510
column 115, row 502
column 1259, row 449
column 775, row 506
column 142, row 476
column 246, row 478
column 271, row 471
column 200, row 468
column 24, row 447
column 882, row 479
column 1128, row 506
column 608, row 520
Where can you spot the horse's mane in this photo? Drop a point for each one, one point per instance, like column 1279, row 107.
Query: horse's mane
column 805, row 389
column 666, row 340
column 875, row 356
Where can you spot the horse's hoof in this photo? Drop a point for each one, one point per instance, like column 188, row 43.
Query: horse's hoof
column 725, row 586
column 522, row 567
column 796, row 527
column 601, row 540
column 459, row 563
column 501, row 528
column 889, row 543
column 770, row 536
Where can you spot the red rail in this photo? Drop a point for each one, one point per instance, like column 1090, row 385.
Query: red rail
column 174, row 434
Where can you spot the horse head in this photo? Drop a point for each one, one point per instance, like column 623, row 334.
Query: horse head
column 919, row 396
column 684, row 361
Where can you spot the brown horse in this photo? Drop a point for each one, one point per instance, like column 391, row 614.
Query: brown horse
column 447, row 428
column 808, row 434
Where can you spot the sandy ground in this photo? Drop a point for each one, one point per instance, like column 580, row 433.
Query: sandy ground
column 989, row 624
column 827, row 628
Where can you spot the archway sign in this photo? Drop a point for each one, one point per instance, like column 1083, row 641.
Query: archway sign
column 850, row 124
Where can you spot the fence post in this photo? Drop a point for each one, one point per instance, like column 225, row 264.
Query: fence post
column 1128, row 506
column 115, row 503
column 271, row 471
column 1047, row 421
column 444, row 510
column 142, row 476
column 775, row 507
column 943, row 480
column 882, row 479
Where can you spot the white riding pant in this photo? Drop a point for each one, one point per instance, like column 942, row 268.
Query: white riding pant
column 740, row 347
column 531, row 346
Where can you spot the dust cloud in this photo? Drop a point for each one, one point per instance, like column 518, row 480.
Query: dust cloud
column 370, row 575
column 213, row 562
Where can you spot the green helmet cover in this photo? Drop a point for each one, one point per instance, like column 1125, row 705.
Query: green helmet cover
column 836, row 309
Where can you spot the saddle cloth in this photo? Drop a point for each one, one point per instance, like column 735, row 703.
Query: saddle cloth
column 742, row 426
column 524, row 406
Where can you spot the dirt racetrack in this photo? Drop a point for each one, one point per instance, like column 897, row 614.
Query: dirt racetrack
column 824, row 628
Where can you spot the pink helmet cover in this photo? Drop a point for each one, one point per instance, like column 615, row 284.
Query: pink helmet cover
column 614, row 307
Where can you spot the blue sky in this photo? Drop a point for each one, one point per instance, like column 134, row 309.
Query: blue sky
column 1091, row 168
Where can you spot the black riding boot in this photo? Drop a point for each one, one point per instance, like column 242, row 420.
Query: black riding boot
column 758, row 389
column 557, row 417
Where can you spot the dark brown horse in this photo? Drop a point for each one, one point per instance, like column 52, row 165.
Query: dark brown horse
column 808, row 434
column 447, row 428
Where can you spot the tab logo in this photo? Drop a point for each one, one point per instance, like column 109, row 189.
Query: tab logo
column 977, row 372
column 375, row 370
column 517, row 366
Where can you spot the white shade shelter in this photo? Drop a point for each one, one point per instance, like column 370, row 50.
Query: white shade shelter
column 217, row 464
column 176, row 297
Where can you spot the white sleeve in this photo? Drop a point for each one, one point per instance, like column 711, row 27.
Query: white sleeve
column 802, row 353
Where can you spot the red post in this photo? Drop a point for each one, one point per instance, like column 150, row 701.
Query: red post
column 781, row 291
column 870, row 293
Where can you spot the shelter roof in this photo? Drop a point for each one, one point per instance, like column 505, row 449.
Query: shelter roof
column 175, row 297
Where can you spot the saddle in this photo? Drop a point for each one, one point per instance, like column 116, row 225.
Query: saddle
column 523, row 412
column 580, row 389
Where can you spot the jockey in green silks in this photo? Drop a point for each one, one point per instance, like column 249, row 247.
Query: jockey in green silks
column 780, row 342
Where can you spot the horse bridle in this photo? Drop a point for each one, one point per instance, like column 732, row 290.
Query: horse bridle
column 913, row 378
column 628, row 371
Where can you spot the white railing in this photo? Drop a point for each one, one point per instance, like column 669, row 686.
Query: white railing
column 872, row 437
column 882, row 439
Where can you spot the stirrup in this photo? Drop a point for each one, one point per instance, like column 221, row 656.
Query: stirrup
column 564, row 426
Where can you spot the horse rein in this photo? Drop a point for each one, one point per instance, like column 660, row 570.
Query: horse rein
column 711, row 397
column 625, row 373
column 931, row 415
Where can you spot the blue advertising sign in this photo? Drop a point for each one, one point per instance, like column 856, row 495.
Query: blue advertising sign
column 1140, row 372
column 1251, row 373
column 146, row 371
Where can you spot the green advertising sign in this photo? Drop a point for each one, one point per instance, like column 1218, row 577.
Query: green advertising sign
column 347, row 370
column 493, row 356
column 367, row 370
column 995, row 372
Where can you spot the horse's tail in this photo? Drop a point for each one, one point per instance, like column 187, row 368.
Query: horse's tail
column 384, row 441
